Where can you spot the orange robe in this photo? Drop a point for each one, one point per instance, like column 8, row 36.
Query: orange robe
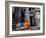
column 26, row 24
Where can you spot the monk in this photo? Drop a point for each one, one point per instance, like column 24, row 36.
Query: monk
column 26, row 25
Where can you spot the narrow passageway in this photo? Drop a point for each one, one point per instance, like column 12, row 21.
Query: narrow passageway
column 26, row 18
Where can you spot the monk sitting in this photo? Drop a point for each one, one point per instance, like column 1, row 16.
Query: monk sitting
column 26, row 25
